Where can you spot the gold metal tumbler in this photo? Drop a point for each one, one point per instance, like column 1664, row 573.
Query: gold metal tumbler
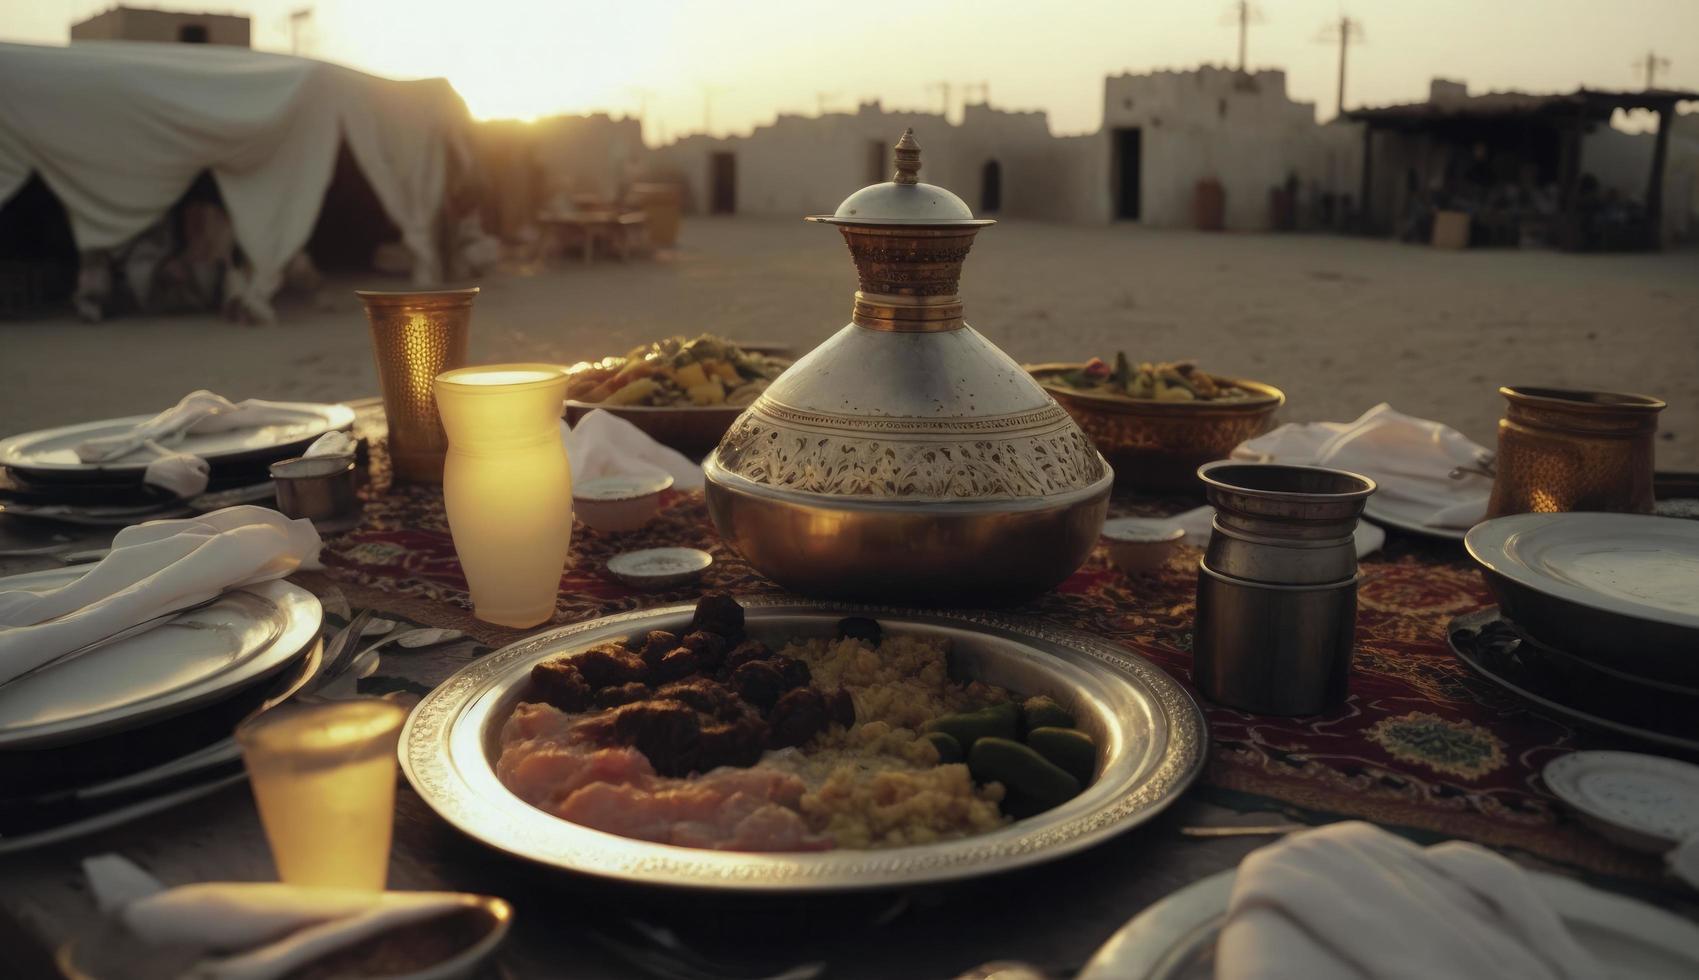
column 417, row 336
column 1561, row 450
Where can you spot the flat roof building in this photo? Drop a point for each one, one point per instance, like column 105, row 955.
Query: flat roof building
column 144, row 24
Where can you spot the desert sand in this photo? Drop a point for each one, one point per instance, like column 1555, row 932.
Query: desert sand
column 1339, row 323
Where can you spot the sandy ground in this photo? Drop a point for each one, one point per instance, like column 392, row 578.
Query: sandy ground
column 1339, row 323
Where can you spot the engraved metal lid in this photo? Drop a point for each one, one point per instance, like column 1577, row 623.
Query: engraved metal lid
column 904, row 200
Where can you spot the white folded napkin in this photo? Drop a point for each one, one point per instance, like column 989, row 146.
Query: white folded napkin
column 1197, row 525
column 1411, row 460
column 199, row 412
column 153, row 569
column 258, row 929
column 603, row 444
column 332, row 443
column 183, row 475
column 1352, row 902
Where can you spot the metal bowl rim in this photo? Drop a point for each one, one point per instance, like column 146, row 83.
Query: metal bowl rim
column 1266, row 396
column 733, row 410
column 1206, row 471
column 434, row 772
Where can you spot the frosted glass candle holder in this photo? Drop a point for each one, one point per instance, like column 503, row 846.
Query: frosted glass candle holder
column 507, row 487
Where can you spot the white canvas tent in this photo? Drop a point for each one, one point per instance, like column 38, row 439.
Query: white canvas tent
column 118, row 131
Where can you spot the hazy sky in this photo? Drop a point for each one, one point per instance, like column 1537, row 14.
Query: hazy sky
column 527, row 58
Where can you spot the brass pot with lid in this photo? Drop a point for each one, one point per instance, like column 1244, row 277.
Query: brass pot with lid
column 907, row 459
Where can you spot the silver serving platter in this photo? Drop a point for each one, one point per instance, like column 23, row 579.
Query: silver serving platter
column 1151, row 739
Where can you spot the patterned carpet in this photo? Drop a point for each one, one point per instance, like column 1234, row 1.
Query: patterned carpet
column 1420, row 744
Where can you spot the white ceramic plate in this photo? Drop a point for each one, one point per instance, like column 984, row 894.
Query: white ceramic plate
column 1404, row 515
column 1646, row 802
column 1175, row 938
column 51, row 453
column 1632, row 565
column 199, row 656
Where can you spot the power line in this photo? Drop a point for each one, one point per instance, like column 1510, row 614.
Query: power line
column 1243, row 13
column 1346, row 32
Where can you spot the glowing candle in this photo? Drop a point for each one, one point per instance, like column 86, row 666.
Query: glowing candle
column 507, row 487
column 324, row 780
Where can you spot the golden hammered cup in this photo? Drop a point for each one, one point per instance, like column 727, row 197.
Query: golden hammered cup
column 1562, row 450
column 417, row 336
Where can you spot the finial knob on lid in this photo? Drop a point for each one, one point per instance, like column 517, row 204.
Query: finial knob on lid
column 908, row 159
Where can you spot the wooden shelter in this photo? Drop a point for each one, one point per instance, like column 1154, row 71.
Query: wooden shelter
column 1556, row 123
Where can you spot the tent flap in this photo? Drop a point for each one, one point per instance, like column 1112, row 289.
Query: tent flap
column 119, row 130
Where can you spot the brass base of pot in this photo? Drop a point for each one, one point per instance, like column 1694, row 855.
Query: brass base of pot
column 912, row 553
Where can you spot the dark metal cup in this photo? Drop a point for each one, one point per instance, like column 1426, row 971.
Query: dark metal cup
column 1273, row 649
column 1282, row 524
column 323, row 489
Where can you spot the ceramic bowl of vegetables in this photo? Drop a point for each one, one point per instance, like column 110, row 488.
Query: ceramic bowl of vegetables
column 683, row 393
column 1157, row 423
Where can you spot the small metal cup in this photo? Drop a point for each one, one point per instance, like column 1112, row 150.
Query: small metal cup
column 1273, row 649
column 323, row 489
column 1282, row 524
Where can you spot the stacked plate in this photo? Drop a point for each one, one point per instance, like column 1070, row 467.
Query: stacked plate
column 78, row 738
column 42, row 477
column 1598, row 618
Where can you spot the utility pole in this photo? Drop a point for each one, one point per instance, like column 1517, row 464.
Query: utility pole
column 643, row 96
column 1244, row 13
column 1347, row 31
column 708, row 93
column 944, row 90
column 1651, row 64
column 298, row 21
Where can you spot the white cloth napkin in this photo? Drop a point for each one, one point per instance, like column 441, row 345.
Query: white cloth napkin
column 153, row 569
column 183, row 475
column 332, row 443
column 603, row 444
column 198, row 413
column 258, row 929
column 1411, row 460
column 1197, row 524
column 1352, row 902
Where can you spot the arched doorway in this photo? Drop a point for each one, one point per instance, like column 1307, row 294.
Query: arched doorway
column 991, row 187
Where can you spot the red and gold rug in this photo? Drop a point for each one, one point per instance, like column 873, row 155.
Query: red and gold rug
column 1420, row 744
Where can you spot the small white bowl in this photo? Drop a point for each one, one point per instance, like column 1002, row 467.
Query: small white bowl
column 1141, row 545
column 654, row 569
column 619, row 503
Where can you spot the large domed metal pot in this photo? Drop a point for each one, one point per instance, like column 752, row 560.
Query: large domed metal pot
column 907, row 459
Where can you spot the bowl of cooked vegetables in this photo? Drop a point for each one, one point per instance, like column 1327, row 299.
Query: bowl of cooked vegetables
column 683, row 393
column 1157, row 423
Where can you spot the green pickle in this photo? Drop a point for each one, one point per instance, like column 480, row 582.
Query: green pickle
column 1025, row 773
column 1042, row 711
column 949, row 750
column 968, row 727
column 1068, row 748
